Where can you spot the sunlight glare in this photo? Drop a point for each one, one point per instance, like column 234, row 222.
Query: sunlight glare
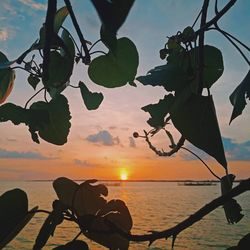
column 123, row 175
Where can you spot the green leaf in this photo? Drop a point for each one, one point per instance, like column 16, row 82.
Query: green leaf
column 57, row 128
column 232, row 208
column 13, row 214
column 73, row 245
column 33, row 81
column 60, row 16
column 196, row 120
column 115, row 69
column 159, row 110
column 92, row 100
column 170, row 76
column 238, row 97
column 113, row 13
column 7, row 77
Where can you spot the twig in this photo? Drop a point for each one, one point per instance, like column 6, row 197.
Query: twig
column 217, row 17
column 201, row 46
column 26, row 104
column 49, row 32
column 78, row 31
column 188, row 222
column 210, row 170
column 163, row 153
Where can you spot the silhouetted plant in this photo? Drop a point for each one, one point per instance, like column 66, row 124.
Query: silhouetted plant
column 191, row 67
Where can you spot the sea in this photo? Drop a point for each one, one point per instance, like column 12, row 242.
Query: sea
column 154, row 206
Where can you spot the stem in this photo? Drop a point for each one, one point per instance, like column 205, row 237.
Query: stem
column 49, row 32
column 201, row 45
column 98, row 51
column 75, row 87
column 19, row 67
column 210, row 170
column 76, row 237
column 78, row 31
column 217, row 17
column 26, row 104
column 99, row 40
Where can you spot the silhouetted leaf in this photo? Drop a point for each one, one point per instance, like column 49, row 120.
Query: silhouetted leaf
column 117, row 213
column 232, row 208
column 159, row 110
column 92, row 100
column 213, row 66
column 73, row 245
column 33, row 81
column 116, row 68
column 13, row 214
column 170, row 76
column 113, row 13
column 7, row 77
column 54, row 219
column 196, row 120
column 238, row 97
column 57, row 128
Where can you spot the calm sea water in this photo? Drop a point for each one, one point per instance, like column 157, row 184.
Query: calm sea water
column 154, row 206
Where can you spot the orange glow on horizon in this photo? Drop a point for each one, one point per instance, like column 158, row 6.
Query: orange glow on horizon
column 123, row 175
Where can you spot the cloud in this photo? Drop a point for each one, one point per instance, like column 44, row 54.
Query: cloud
column 33, row 4
column 83, row 163
column 22, row 155
column 234, row 151
column 4, row 34
column 132, row 142
column 237, row 151
column 103, row 137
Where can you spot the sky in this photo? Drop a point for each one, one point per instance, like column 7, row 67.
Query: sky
column 100, row 144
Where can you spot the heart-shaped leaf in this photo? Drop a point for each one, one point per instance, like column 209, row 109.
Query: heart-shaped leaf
column 7, row 77
column 13, row 214
column 33, row 81
column 196, row 120
column 238, row 97
column 115, row 69
column 92, row 100
column 57, row 128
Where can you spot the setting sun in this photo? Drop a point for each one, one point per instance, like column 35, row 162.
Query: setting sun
column 123, row 175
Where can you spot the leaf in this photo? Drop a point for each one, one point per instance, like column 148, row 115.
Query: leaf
column 115, row 69
column 170, row 76
column 54, row 219
column 213, row 65
column 13, row 214
column 33, row 81
column 196, row 120
column 74, row 245
column 232, row 208
column 238, row 97
column 112, row 13
column 7, row 77
column 158, row 111
column 57, row 128
column 60, row 16
column 91, row 100
column 117, row 213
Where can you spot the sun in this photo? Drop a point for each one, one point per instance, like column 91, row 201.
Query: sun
column 123, row 175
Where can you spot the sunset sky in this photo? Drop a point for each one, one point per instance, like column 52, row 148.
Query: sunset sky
column 100, row 144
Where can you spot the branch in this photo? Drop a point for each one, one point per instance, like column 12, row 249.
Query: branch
column 49, row 32
column 188, row 222
column 217, row 17
column 78, row 31
column 201, row 45
column 174, row 147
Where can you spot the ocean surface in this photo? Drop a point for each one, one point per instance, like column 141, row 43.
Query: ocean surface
column 153, row 206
